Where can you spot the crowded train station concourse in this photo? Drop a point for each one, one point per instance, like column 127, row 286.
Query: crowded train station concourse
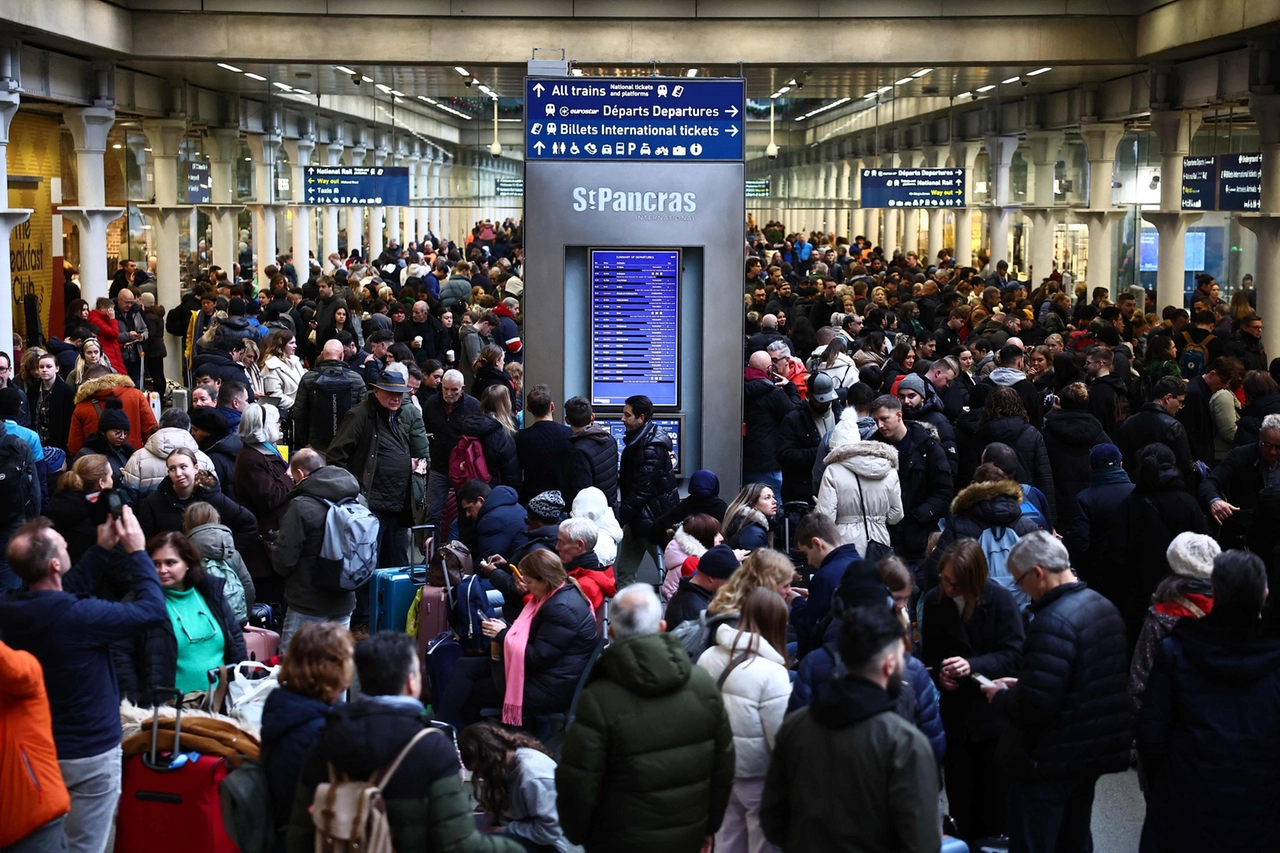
column 654, row 427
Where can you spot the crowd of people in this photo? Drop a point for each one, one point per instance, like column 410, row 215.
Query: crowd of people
column 993, row 541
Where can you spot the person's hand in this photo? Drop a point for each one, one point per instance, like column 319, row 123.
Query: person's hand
column 1221, row 510
column 492, row 627
column 521, row 586
column 107, row 534
column 416, row 344
column 129, row 531
column 947, row 682
column 956, row 668
column 741, row 554
column 707, row 843
column 996, row 686
column 796, row 592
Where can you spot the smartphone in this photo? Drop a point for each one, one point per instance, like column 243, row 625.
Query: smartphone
column 115, row 503
column 982, row 680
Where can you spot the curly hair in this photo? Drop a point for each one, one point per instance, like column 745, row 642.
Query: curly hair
column 1003, row 403
column 764, row 568
column 488, row 751
column 319, row 661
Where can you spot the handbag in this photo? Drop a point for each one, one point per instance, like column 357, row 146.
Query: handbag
column 875, row 551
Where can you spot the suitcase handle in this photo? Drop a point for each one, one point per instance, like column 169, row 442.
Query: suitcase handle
column 152, row 759
column 418, row 574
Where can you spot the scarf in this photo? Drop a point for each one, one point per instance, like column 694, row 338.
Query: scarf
column 514, row 644
column 755, row 373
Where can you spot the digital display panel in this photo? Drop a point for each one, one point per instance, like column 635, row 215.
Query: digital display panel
column 1149, row 251
column 1199, row 183
column 635, row 328
column 673, row 427
column 379, row 185
column 1240, row 182
column 759, row 187
column 913, row 187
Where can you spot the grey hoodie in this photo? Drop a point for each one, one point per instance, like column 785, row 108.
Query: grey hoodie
column 214, row 542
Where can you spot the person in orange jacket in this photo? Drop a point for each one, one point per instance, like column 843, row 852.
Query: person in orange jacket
column 33, row 799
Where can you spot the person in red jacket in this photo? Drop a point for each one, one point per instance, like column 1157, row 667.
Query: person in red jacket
column 103, row 318
column 33, row 798
column 91, row 398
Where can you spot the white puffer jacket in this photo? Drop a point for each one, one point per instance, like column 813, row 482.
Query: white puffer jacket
column 591, row 503
column 875, row 464
column 146, row 467
column 681, row 547
column 280, row 378
column 755, row 697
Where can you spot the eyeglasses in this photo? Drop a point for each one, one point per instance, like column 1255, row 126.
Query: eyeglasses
column 213, row 628
column 1266, row 445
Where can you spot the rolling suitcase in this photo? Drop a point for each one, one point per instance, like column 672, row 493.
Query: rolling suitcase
column 392, row 591
column 261, row 644
column 167, row 796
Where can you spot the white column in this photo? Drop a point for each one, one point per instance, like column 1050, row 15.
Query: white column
column 89, row 128
column 965, row 152
column 446, row 193
column 299, row 151
column 935, row 157
column 264, row 147
column 394, row 234
column 10, row 218
column 910, row 159
column 858, row 216
column 1174, row 129
column 1044, row 215
column 892, row 218
column 1101, row 216
column 224, row 147
column 1000, row 150
column 374, row 239
column 355, row 215
column 410, row 222
column 1266, row 223
column 167, row 219
column 329, row 235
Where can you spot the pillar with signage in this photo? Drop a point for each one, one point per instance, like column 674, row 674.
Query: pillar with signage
column 634, row 200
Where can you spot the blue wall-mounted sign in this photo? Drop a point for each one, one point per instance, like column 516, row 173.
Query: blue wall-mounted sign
column 373, row 185
column 199, row 182
column 1240, row 182
column 913, row 187
column 1199, row 183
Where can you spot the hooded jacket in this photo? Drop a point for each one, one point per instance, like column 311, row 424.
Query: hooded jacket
column 1068, row 438
column 147, row 467
column 91, row 396
column 500, row 527
column 931, row 412
column 1250, row 423
column 223, row 450
column 681, row 547
column 214, row 542
column 1206, row 737
column 647, row 480
column 590, row 503
column 977, row 508
column 593, row 461
column 426, row 806
column 301, row 537
column 1027, row 441
column 1008, row 377
column 631, row 781
column 108, row 336
column 874, row 466
column 764, row 407
column 881, row 778
column 927, row 488
column 755, row 695
column 704, row 497
column 470, row 342
column 223, row 367
column 34, row 793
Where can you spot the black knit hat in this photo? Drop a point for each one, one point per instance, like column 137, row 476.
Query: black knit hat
column 113, row 416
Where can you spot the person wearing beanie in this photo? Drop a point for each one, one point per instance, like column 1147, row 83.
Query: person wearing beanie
column 694, row 595
column 704, row 498
column 111, row 440
column 921, row 403
column 1097, row 506
column 102, row 384
column 543, row 514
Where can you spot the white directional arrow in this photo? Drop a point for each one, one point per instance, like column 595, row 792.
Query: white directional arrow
column 538, row 87
column 733, row 130
column 538, row 146
column 732, row 111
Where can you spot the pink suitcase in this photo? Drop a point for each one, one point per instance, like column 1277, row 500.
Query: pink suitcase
column 261, row 644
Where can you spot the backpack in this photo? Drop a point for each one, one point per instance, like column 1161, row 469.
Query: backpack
column 349, row 553
column 232, row 587
column 1082, row 340
column 471, row 608
column 350, row 815
column 16, row 478
column 693, row 634
column 467, row 462
column 246, row 808
column 1030, row 511
column 1141, row 390
column 330, row 401
column 1195, row 356
column 996, row 543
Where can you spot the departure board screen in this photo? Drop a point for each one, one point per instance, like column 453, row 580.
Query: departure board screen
column 635, row 329
column 672, row 426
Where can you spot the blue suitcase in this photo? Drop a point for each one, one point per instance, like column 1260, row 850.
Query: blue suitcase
column 391, row 592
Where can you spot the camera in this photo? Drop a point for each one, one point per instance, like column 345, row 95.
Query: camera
column 495, row 150
column 771, row 151
column 357, row 79
column 1023, row 83
column 467, row 82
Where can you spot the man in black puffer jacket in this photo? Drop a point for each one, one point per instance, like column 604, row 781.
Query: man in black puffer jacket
column 593, row 454
column 648, row 485
column 801, row 434
column 1156, row 422
column 1069, row 437
column 1068, row 708
column 767, row 400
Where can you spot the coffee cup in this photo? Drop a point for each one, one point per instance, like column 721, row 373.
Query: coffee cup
column 448, row 356
column 418, row 340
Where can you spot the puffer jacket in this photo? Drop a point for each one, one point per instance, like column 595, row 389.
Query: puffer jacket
column 223, row 452
column 591, row 503
column 30, row 777
column 931, row 412
column 281, row 378
column 1069, row 712
column 162, row 511
column 301, row 536
column 755, row 695
column 562, row 637
column 630, row 781
column 647, row 480
column 681, row 547
column 764, row 406
column 593, row 461
column 500, row 526
column 214, row 542
column 980, row 507
column 874, row 465
column 92, row 395
column 499, row 448
column 1027, row 442
column 927, row 489
column 1068, row 438
column 147, row 468
column 291, row 724
column 1152, row 424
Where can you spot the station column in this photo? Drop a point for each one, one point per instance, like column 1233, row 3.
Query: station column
column 355, row 215
column 167, row 218
column 410, row 226
column 329, row 234
column 858, row 216
column 299, row 151
column 89, row 128
column 446, row 199
column 965, row 152
column 935, row 157
column 1100, row 140
column 224, row 143
column 1000, row 150
column 1042, row 212
column 374, row 242
column 911, row 159
column 1265, row 108
column 10, row 217
column 891, row 218
column 1174, row 129
column 264, row 148
column 394, row 234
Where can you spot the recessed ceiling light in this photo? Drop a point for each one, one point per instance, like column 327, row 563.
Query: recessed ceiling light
column 344, row 69
column 282, row 86
column 903, row 81
column 965, row 95
column 117, row 145
column 398, row 100
column 1038, row 72
column 869, row 95
column 383, row 88
column 791, row 82
column 248, row 159
column 146, row 149
column 397, row 93
column 987, row 88
column 257, row 77
column 692, row 72
column 229, row 67
column 922, row 72
column 884, row 89
column 1013, row 79
column 461, row 70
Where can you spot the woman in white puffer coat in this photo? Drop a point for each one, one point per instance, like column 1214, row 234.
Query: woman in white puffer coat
column 750, row 667
column 591, row 503
column 147, row 467
column 282, row 370
column 854, row 463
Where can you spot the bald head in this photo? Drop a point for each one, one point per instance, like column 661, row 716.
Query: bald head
column 332, row 349
column 760, row 360
column 769, row 321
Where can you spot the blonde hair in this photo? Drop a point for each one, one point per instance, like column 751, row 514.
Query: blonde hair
column 199, row 513
column 764, row 568
column 85, row 474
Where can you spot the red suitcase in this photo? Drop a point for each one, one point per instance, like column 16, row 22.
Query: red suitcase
column 433, row 616
column 160, row 802
column 261, row 644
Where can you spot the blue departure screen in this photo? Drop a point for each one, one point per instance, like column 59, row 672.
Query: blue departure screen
column 671, row 426
column 635, row 330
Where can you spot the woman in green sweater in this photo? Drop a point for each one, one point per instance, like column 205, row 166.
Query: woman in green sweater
column 202, row 631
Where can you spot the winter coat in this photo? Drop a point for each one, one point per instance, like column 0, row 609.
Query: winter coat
column 301, row 537
column 927, row 488
column 764, row 407
column 1029, row 445
column 1152, row 425
column 991, row 641
column 222, row 367
column 1097, row 508
column 978, row 508
column 488, row 376
column 155, row 652
column 562, row 637
column 1196, row 416
column 843, row 372
column 597, row 580
column 291, row 724
column 1250, row 423
column 875, row 466
column 470, row 342
column 687, row 603
column 301, row 414
column 1248, row 349
column 630, row 781
column 262, row 484
column 501, row 523
column 62, row 402
column 590, row 503
column 1068, row 439
column 34, row 793
column 593, row 461
column 456, row 289
column 499, row 448
column 880, row 789
column 444, row 425
column 755, row 695
column 280, row 379
column 214, row 542
column 1206, row 735
column 72, row 516
column 1162, row 617
column 809, row 615
column 647, row 480
column 91, row 396
column 1226, row 412
column 223, row 452
column 147, row 467
column 426, row 806
column 162, row 510
column 799, row 439
column 931, row 413
column 542, row 448
column 1069, row 712
column 748, row 530
column 681, row 547
column 378, row 455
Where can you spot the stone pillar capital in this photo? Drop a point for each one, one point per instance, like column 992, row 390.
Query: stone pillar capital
column 1100, row 140
column 224, row 144
column 1174, row 129
column 1044, row 145
column 1265, row 109
column 333, row 153
column 264, row 147
column 299, row 150
column 1000, row 149
column 164, row 136
column 89, row 127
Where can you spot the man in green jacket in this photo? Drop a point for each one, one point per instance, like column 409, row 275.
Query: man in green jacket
column 648, row 762
column 847, row 773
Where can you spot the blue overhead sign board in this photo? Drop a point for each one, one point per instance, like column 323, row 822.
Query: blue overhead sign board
column 1199, row 183
column 1240, row 182
column 375, row 185
column 913, row 187
column 199, row 182
column 634, row 118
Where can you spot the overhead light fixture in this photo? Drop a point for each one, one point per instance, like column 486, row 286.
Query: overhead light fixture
column 383, row 88
column 365, row 79
column 398, row 100
column 257, row 77
column 823, row 109
column 1038, row 72
column 397, row 93
column 922, row 72
column 986, row 88
column 117, row 146
column 344, row 69
column 1013, row 79
column 884, row 89
column 146, row 149
column 301, row 92
column 425, row 98
column 870, row 96
column 230, row 67
column 692, row 72
column 965, row 95
column 282, row 86
column 791, row 82
column 784, row 90
column 461, row 70
column 248, row 159
column 903, row 81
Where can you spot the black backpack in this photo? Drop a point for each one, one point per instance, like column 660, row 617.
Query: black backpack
column 15, row 480
column 330, row 401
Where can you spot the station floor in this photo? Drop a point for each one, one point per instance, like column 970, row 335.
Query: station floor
column 1118, row 811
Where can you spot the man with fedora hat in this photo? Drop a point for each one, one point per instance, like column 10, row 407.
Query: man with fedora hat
column 372, row 443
